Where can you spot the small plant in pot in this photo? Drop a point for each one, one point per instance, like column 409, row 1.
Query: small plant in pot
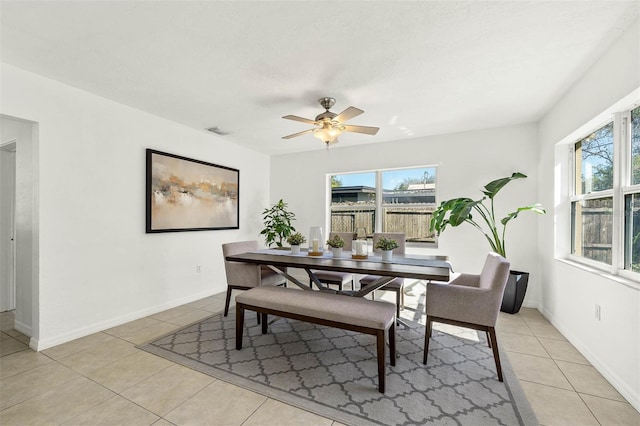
column 386, row 247
column 277, row 224
column 457, row 211
column 337, row 244
column 295, row 240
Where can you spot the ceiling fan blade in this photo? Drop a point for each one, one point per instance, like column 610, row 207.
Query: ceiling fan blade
column 348, row 114
column 298, row 134
column 301, row 119
column 361, row 129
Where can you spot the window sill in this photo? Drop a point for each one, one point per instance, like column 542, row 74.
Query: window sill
column 627, row 282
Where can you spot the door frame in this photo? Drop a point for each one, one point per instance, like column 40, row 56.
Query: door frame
column 8, row 241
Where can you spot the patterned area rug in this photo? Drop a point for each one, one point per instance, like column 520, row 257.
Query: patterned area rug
column 333, row 372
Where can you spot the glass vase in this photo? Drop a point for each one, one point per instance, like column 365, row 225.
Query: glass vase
column 316, row 241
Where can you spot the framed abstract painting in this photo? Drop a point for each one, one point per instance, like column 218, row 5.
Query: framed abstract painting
column 184, row 194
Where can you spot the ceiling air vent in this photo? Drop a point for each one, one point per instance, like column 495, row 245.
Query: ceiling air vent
column 217, row 131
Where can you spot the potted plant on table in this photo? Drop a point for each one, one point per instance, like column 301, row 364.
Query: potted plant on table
column 277, row 224
column 386, row 247
column 457, row 211
column 295, row 240
column 337, row 244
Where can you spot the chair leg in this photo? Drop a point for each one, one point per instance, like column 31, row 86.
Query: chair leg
column 496, row 355
column 226, row 303
column 392, row 344
column 380, row 346
column 488, row 339
column 398, row 303
column 258, row 314
column 427, row 336
column 239, row 326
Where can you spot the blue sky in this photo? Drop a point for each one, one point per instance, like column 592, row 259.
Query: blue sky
column 390, row 179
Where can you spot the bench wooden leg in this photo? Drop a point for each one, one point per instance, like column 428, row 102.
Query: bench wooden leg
column 239, row 325
column 265, row 323
column 381, row 360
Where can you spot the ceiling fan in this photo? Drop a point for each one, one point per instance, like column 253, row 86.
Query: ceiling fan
column 330, row 125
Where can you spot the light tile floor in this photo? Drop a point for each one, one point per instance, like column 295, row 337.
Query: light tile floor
column 102, row 379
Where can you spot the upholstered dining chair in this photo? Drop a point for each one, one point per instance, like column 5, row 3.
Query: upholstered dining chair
column 471, row 301
column 243, row 276
column 397, row 285
column 337, row 278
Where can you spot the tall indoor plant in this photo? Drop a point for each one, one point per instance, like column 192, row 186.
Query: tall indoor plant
column 481, row 215
column 277, row 224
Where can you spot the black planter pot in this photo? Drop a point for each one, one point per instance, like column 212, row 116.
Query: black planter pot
column 514, row 292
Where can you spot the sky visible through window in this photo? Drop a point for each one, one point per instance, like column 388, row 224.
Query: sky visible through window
column 391, row 179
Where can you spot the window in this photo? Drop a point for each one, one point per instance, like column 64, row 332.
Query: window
column 605, row 200
column 399, row 200
column 632, row 198
column 353, row 203
column 592, row 207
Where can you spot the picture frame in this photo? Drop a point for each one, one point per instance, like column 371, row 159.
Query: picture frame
column 183, row 194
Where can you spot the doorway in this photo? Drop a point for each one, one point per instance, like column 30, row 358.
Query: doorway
column 19, row 224
column 7, row 226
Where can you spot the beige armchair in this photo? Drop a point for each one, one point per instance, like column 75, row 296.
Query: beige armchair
column 471, row 301
column 337, row 278
column 243, row 276
column 397, row 285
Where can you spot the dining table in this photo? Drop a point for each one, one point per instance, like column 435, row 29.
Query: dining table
column 419, row 267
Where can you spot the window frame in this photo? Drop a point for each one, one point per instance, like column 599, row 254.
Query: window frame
column 594, row 195
column 380, row 205
column 622, row 187
column 628, row 188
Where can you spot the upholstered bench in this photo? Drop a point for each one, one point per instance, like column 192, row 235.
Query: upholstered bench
column 324, row 308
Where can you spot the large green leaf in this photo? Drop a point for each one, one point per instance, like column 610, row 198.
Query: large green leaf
column 537, row 208
column 461, row 212
column 492, row 188
column 451, row 212
column 439, row 216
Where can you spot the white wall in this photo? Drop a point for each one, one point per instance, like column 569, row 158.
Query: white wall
column 569, row 293
column 97, row 267
column 466, row 162
column 26, row 221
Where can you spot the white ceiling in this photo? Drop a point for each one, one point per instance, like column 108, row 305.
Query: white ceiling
column 415, row 68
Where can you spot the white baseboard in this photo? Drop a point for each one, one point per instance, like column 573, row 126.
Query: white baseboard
column 627, row 392
column 534, row 305
column 40, row 345
column 27, row 331
column 22, row 328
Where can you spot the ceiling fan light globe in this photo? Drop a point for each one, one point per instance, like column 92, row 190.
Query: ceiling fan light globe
column 326, row 133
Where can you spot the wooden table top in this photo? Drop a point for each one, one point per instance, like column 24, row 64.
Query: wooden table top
column 420, row 267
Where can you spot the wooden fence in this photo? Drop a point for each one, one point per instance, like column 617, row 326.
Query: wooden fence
column 594, row 235
column 413, row 222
